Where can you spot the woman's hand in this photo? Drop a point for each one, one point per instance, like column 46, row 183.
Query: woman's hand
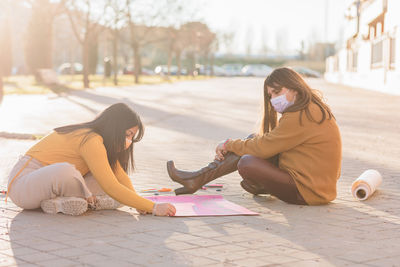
column 220, row 151
column 164, row 209
column 142, row 212
column 92, row 202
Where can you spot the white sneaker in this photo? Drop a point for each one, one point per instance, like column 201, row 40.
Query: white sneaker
column 106, row 203
column 66, row 205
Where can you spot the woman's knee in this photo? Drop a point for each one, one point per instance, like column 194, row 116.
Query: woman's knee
column 93, row 185
column 65, row 170
column 66, row 178
column 246, row 165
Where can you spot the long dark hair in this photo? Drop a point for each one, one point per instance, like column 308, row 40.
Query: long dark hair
column 288, row 78
column 111, row 125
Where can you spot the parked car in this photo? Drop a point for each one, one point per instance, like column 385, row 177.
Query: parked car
column 306, row 72
column 218, row 71
column 163, row 69
column 129, row 70
column 258, row 70
column 184, row 71
column 66, row 68
column 232, row 69
column 146, row 71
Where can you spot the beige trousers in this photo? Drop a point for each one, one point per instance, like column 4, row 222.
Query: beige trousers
column 37, row 182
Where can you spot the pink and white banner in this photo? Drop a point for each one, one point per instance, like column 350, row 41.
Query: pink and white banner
column 202, row 205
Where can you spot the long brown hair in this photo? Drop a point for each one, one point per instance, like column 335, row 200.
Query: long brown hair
column 290, row 79
column 111, row 125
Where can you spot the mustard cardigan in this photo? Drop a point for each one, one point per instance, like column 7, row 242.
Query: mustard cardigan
column 311, row 153
column 90, row 156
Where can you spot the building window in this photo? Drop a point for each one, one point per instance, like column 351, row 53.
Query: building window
column 392, row 60
column 336, row 63
column 349, row 59
column 352, row 57
column 354, row 61
column 377, row 54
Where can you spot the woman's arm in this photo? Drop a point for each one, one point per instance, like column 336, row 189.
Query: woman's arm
column 288, row 134
column 95, row 156
column 123, row 177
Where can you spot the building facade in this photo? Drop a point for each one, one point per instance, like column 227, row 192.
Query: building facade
column 370, row 57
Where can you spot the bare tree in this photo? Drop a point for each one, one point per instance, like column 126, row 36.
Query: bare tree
column 39, row 38
column 208, row 46
column 1, row 88
column 227, row 39
column 213, row 47
column 249, row 41
column 178, row 48
column 302, row 50
column 176, row 41
column 281, row 40
column 115, row 21
column 264, row 42
column 197, row 40
column 172, row 39
column 5, row 46
column 147, row 21
column 174, row 36
column 141, row 28
column 85, row 21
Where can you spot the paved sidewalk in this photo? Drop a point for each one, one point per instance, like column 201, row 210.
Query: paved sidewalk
column 184, row 121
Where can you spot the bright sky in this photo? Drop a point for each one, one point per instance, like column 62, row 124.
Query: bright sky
column 283, row 23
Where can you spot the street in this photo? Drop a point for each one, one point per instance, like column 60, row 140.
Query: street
column 184, row 122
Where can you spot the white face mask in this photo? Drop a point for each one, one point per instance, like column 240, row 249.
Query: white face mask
column 280, row 103
column 128, row 142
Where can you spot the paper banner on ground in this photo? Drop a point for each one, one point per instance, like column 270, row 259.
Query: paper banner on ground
column 202, row 205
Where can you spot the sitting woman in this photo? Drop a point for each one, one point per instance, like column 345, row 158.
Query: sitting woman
column 83, row 164
column 297, row 160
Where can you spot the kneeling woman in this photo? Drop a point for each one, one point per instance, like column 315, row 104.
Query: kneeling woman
column 83, row 164
column 298, row 160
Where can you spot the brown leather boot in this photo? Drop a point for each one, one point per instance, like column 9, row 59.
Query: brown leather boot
column 193, row 181
column 253, row 188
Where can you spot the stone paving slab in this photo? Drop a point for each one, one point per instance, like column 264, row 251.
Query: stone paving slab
column 184, row 121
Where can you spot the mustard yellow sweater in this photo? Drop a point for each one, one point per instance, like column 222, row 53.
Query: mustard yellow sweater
column 311, row 153
column 90, row 156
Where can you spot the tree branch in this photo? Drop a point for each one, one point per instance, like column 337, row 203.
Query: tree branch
column 73, row 26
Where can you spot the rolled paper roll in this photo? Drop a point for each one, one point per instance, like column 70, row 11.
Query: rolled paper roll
column 366, row 184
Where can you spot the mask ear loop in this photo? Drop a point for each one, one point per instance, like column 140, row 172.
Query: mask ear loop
column 128, row 140
column 134, row 138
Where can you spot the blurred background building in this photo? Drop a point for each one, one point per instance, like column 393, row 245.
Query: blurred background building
column 370, row 55
column 111, row 38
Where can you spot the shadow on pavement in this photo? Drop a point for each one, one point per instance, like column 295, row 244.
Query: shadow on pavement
column 387, row 196
column 117, row 238
column 328, row 234
column 163, row 118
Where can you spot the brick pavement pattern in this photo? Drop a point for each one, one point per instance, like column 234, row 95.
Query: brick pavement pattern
column 184, row 121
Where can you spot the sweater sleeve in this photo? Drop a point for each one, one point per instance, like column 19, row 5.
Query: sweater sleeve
column 288, row 134
column 95, row 155
column 123, row 177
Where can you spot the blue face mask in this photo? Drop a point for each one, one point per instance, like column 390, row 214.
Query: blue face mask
column 280, row 103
